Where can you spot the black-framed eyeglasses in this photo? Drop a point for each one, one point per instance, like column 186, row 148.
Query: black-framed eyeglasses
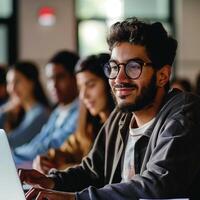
column 133, row 68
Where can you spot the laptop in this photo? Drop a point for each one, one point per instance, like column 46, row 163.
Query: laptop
column 10, row 185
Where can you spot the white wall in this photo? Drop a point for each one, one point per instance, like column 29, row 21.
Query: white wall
column 187, row 15
column 39, row 43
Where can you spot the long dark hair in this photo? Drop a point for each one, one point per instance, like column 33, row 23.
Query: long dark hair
column 30, row 71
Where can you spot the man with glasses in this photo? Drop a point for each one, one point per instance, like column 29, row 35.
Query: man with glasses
column 149, row 147
column 61, row 83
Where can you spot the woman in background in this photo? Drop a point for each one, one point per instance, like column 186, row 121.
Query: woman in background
column 97, row 104
column 28, row 108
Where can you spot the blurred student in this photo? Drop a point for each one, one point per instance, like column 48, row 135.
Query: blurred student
column 28, row 106
column 61, row 83
column 97, row 104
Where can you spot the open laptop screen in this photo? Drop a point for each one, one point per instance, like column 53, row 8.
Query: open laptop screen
column 10, row 186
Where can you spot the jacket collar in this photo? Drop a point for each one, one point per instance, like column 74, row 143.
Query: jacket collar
column 126, row 117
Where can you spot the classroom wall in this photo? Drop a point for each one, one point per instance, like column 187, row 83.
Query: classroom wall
column 38, row 42
column 187, row 17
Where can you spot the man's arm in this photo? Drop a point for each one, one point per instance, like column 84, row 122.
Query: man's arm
column 89, row 172
column 35, row 178
column 173, row 168
column 42, row 194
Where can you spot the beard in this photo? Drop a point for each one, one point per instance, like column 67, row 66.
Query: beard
column 146, row 98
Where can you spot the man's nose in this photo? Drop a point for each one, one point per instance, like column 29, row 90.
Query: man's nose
column 121, row 76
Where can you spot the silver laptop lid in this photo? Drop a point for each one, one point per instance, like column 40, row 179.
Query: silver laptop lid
column 10, row 186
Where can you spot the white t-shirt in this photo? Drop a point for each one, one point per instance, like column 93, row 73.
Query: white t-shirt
column 128, row 170
column 63, row 112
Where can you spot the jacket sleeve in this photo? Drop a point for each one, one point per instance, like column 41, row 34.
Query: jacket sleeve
column 89, row 172
column 173, row 166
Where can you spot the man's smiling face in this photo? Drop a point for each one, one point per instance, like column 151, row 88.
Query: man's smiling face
column 130, row 94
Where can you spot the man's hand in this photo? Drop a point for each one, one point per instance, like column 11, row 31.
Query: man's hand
column 43, row 164
column 41, row 194
column 35, row 178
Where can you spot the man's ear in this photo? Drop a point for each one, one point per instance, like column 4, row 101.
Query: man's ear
column 163, row 75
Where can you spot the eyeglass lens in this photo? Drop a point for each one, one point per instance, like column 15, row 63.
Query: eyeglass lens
column 132, row 69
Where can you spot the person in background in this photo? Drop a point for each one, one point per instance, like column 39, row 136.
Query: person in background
column 197, row 85
column 97, row 104
column 182, row 84
column 3, row 91
column 151, row 149
column 29, row 107
column 61, row 83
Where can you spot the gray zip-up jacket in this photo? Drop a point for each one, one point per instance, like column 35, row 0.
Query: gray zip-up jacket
column 167, row 157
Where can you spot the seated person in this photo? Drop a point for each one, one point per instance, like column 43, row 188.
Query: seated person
column 149, row 147
column 94, row 92
column 28, row 109
column 61, row 82
column 3, row 91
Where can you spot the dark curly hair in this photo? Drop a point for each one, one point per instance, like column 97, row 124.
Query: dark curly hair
column 160, row 47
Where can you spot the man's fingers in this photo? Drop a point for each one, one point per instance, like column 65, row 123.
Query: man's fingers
column 46, row 165
column 32, row 193
column 25, row 175
column 44, row 196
